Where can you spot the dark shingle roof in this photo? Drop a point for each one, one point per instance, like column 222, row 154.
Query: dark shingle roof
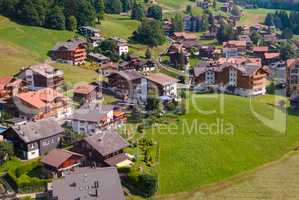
column 89, row 184
column 58, row 156
column 33, row 131
column 107, row 142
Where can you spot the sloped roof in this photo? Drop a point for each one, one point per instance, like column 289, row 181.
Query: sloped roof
column 69, row 45
column 57, row 157
column 4, row 81
column 85, row 89
column 92, row 112
column 89, row 184
column 33, row 131
column 107, row 142
column 162, row 79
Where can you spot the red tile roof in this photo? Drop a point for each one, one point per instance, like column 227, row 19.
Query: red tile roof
column 84, row 89
column 261, row 49
column 57, row 157
column 40, row 98
column 4, row 81
column 271, row 55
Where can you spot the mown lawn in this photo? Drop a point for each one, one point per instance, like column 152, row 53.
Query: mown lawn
column 254, row 16
column 190, row 158
column 21, row 46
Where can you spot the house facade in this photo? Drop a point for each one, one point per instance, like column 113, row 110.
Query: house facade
column 34, row 139
column 105, row 149
column 94, row 118
column 59, row 162
column 71, row 52
column 129, row 85
column 86, row 93
column 239, row 79
column 41, row 104
column 293, row 76
column 41, row 76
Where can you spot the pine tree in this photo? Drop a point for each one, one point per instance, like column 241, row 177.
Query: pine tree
column 148, row 54
column 71, row 23
column 100, row 8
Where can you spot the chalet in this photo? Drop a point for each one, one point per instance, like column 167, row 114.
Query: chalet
column 226, row 7
column 89, row 184
column 231, row 52
column 41, row 76
column 241, row 45
column 178, row 55
column 259, row 51
column 107, row 68
column 209, row 35
column 10, row 86
column 183, row 36
column 128, row 84
column 206, row 51
column 163, row 85
column 247, row 39
column 93, row 118
column 270, row 38
column 192, row 23
column 98, row 58
column 94, row 41
column 34, row 139
column 271, row 57
column 135, row 63
column 71, row 51
column 59, row 162
column 122, row 46
column 106, row 149
column 86, row 93
column 168, row 27
column 89, row 31
column 240, row 79
column 44, row 103
column 293, row 76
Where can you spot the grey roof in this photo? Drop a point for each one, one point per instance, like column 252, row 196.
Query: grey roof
column 92, row 112
column 33, row 131
column 129, row 74
column 89, row 184
column 98, row 56
column 107, row 142
column 69, row 45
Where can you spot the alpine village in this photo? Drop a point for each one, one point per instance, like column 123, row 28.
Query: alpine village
column 149, row 99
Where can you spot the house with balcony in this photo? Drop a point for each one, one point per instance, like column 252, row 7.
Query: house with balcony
column 129, row 85
column 94, row 118
column 293, row 76
column 104, row 149
column 89, row 31
column 247, row 79
column 41, row 104
column 122, row 45
column 163, row 85
column 71, row 52
column 41, row 76
column 33, row 139
column 59, row 162
column 86, row 93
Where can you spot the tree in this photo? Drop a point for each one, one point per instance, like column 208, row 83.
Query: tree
column 225, row 33
column 149, row 184
column 137, row 12
column 6, row 151
column 113, row 6
column 287, row 51
column 71, row 23
column 287, row 33
column 150, row 32
column 126, row 5
column 177, row 22
column 152, row 104
column 205, row 23
column 255, row 37
column 269, row 20
column 55, row 19
column 189, row 9
column 148, row 54
column 31, row 12
column 236, row 11
column 100, row 9
column 155, row 12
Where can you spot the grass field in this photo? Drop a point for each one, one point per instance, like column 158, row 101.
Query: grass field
column 192, row 159
column 254, row 16
column 21, row 46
